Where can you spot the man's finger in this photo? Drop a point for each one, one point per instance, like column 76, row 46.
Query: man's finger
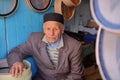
column 20, row 70
column 16, row 72
column 12, row 71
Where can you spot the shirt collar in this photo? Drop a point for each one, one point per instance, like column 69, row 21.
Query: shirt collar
column 57, row 44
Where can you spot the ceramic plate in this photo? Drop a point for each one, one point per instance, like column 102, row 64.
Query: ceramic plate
column 106, row 14
column 108, row 54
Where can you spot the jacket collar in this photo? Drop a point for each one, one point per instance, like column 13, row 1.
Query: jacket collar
column 58, row 44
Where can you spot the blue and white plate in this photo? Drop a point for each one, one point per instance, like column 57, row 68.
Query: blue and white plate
column 108, row 54
column 107, row 14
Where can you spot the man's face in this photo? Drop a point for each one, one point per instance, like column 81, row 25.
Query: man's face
column 53, row 31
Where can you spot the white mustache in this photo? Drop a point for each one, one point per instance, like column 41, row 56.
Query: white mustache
column 51, row 36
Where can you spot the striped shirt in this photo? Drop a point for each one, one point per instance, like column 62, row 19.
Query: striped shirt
column 52, row 49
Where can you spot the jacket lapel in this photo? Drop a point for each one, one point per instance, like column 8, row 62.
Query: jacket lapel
column 44, row 55
column 62, row 55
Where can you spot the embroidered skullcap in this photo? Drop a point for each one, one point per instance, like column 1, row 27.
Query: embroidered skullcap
column 54, row 17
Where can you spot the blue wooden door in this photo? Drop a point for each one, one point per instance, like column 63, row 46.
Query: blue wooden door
column 16, row 28
column 2, row 39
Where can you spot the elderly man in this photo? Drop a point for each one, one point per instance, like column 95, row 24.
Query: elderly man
column 57, row 55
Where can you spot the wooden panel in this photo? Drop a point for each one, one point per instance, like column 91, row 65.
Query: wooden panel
column 2, row 39
column 92, row 73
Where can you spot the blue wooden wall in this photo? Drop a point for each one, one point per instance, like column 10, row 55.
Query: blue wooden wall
column 15, row 29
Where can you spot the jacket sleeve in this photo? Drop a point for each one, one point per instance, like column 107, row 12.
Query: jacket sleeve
column 20, row 52
column 77, row 68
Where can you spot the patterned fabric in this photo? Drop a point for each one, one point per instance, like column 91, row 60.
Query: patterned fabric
column 53, row 55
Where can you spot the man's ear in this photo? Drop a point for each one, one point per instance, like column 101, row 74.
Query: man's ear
column 62, row 29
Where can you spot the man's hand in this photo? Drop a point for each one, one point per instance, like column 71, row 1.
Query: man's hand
column 17, row 69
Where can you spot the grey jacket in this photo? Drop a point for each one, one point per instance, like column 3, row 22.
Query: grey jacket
column 69, row 62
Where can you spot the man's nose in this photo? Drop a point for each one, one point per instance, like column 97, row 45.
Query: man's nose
column 52, row 32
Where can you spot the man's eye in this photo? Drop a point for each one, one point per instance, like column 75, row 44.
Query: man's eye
column 56, row 29
column 48, row 28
